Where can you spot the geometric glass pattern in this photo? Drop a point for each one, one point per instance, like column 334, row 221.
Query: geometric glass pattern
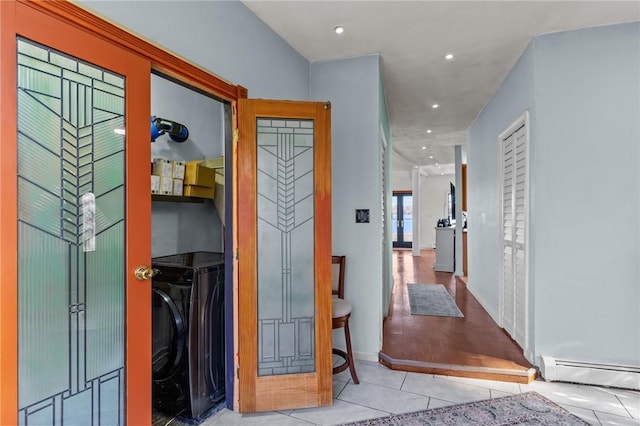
column 71, row 240
column 286, row 276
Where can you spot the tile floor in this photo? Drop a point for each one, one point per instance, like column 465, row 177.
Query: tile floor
column 382, row 392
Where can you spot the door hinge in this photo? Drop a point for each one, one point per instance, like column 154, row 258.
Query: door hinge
column 238, row 372
column 235, row 135
column 237, row 254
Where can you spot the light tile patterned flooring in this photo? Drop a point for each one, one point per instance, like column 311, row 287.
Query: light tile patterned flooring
column 382, row 392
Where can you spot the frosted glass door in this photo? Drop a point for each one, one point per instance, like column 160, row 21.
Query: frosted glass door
column 284, row 254
column 71, row 240
column 286, row 279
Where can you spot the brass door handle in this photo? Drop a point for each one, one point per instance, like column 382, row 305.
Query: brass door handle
column 143, row 273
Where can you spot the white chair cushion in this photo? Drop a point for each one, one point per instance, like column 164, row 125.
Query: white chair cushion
column 340, row 307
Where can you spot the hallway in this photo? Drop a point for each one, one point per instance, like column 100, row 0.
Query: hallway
column 473, row 346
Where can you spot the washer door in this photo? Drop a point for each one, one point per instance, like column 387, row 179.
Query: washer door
column 168, row 335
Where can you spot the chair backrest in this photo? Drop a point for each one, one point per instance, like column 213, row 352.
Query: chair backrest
column 337, row 274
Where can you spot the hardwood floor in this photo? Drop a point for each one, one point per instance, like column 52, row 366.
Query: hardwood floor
column 473, row 346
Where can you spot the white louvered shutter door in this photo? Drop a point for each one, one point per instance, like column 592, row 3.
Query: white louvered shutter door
column 519, row 238
column 386, row 296
column 508, row 304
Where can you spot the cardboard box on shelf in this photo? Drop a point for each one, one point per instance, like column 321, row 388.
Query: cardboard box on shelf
column 155, row 184
column 166, row 185
column 214, row 163
column 218, row 199
column 219, row 177
column 162, row 167
column 177, row 187
column 198, row 191
column 178, row 169
column 198, row 175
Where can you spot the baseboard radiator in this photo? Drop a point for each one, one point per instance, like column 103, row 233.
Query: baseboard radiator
column 619, row 376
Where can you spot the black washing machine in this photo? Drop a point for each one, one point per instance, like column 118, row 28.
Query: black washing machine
column 188, row 333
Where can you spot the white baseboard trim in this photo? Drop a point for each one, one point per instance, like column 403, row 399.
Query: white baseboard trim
column 365, row 356
column 529, row 355
column 527, row 352
column 619, row 376
column 443, row 267
column 494, row 315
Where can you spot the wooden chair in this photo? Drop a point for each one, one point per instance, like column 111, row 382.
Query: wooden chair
column 341, row 312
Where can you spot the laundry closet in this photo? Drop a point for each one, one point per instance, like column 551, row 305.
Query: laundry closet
column 79, row 258
column 188, row 264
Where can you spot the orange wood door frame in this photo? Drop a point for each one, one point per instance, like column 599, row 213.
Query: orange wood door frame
column 56, row 23
column 161, row 60
column 265, row 393
column 40, row 27
column 8, row 215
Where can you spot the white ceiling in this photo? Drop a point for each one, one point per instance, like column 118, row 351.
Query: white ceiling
column 412, row 38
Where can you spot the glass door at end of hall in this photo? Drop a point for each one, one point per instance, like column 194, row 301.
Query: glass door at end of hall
column 402, row 219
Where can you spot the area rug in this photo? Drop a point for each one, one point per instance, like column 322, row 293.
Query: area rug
column 527, row 409
column 432, row 299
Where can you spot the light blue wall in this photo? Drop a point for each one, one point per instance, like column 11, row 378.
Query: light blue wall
column 587, row 180
column 352, row 86
column 515, row 96
column 173, row 223
column 222, row 36
column 231, row 42
column 582, row 89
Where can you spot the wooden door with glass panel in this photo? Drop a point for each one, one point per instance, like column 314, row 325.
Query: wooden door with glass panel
column 284, row 254
column 402, row 219
column 78, row 148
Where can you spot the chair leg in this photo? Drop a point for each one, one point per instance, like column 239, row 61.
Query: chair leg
column 352, row 367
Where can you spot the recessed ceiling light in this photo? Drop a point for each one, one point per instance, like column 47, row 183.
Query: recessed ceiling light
column 339, row 29
column 431, row 156
column 436, row 164
column 429, row 131
column 424, row 147
column 434, row 106
column 449, row 56
column 441, row 173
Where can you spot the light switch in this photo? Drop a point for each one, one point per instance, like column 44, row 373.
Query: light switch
column 362, row 215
